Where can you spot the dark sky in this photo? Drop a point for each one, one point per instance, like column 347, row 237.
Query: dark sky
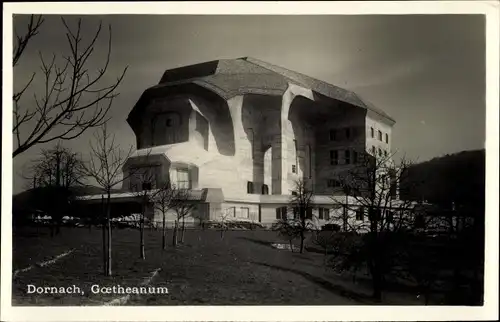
column 426, row 71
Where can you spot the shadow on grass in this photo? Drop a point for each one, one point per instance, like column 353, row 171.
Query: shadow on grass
column 327, row 285
column 257, row 241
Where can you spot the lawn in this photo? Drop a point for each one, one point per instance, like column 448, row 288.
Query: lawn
column 241, row 269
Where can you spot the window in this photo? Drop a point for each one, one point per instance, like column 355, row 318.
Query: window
column 296, row 152
column 146, row 186
column 183, row 179
column 374, row 214
column 168, row 122
column 324, row 213
column 386, row 138
column 245, row 212
column 347, row 155
column 389, row 215
column 295, row 213
column 380, row 135
column 360, row 214
column 379, row 151
column 309, row 213
column 385, row 153
column 334, row 157
column 372, row 130
column 332, row 183
column 333, row 135
column 354, row 156
column 294, row 193
column 294, row 168
column 374, row 150
column 310, row 160
column 265, row 189
column 347, row 133
column 231, row 212
column 249, row 187
column 281, row 213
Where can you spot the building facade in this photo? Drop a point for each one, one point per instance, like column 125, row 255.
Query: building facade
column 239, row 134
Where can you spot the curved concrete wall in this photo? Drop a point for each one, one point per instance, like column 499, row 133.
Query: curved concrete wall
column 256, row 138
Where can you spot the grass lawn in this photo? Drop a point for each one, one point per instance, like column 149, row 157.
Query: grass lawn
column 241, row 269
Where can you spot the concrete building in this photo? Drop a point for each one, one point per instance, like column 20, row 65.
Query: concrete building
column 240, row 132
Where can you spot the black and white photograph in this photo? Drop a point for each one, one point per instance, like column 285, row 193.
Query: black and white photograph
column 319, row 159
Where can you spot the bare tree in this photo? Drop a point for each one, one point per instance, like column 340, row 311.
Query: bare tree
column 183, row 207
column 163, row 199
column 288, row 229
column 325, row 239
column 73, row 98
column 144, row 180
column 300, row 205
column 372, row 185
column 52, row 176
column 223, row 222
column 57, row 166
column 105, row 167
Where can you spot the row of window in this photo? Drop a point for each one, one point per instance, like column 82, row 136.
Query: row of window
column 349, row 157
column 324, row 213
column 244, row 212
column 282, row 213
column 251, row 188
column 347, row 133
column 380, row 134
column 145, row 178
column 332, row 183
column 376, row 213
column 343, row 134
column 380, row 152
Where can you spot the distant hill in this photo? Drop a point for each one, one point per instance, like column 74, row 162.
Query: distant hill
column 458, row 178
column 27, row 200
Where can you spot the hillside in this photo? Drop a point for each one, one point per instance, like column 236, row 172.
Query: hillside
column 458, row 178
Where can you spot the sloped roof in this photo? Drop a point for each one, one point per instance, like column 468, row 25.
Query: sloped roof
column 246, row 75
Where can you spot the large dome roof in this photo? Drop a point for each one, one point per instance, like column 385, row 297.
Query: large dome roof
column 231, row 77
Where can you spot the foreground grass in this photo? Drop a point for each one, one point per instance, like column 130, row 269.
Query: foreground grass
column 241, row 269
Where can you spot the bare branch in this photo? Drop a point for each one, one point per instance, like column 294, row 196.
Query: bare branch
column 72, row 99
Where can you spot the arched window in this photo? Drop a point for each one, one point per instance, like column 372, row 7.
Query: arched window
column 249, row 187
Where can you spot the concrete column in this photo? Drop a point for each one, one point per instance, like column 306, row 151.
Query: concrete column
column 285, row 131
column 242, row 144
column 276, row 165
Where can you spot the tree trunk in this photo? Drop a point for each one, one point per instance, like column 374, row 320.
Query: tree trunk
column 376, row 280
column 291, row 245
column 222, row 228
column 326, row 255
column 103, row 227
column 164, row 233
column 141, row 234
column 108, row 210
column 183, row 230
column 302, row 237
column 174, row 235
